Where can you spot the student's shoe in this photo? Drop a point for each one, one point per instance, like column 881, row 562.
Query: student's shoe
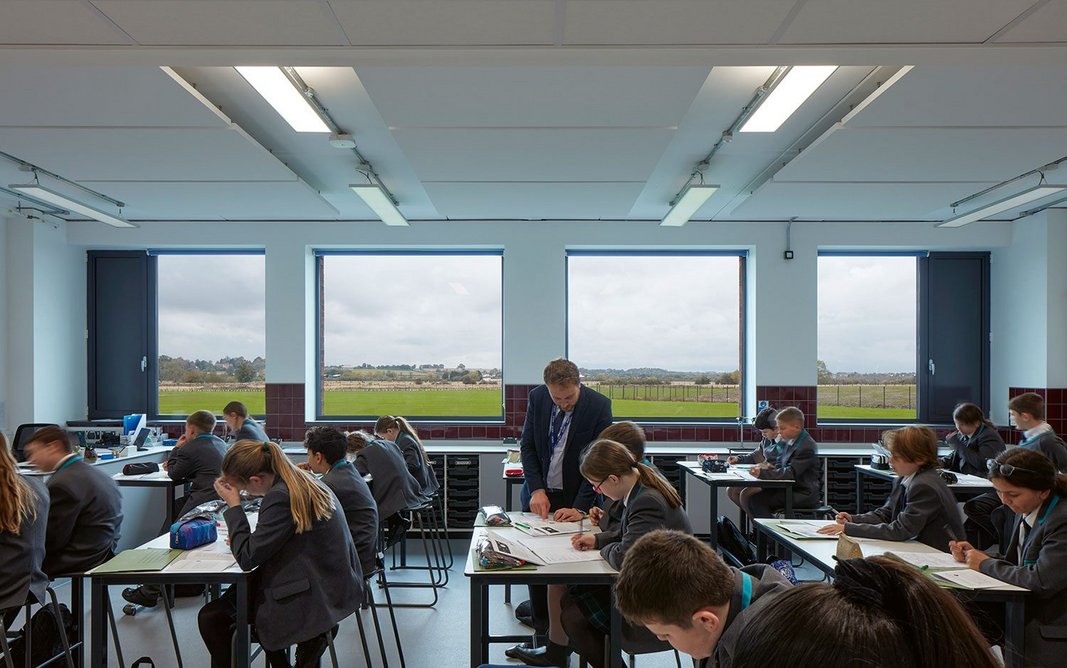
column 138, row 596
column 549, row 655
column 524, row 609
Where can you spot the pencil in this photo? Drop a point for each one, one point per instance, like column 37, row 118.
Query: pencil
column 581, row 525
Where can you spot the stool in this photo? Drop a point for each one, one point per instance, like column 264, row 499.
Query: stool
column 823, row 512
column 437, row 569
column 27, row 631
column 379, row 573
column 77, row 604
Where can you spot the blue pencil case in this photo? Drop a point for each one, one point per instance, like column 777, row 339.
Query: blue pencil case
column 187, row 534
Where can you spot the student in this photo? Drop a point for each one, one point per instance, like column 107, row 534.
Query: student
column 876, row 613
column 581, row 619
column 1035, row 548
column 765, row 454
column 242, row 426
column 85, row 508
column 608, row 513
column 307, row 576
column 682, row 591
column 326, row 448
column 920, row 504
column 393, row 487
column 23, row 522
column 974, row 442
column 798, row 460
column 399, row 431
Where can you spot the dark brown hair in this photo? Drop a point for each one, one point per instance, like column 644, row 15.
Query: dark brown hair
column 630, row 435
column 606, row 458
column 765, row 419
column 357, row 440
column 968, row 413
column 53, row 433
column 204, row 421
column 668, row 576
column 561, row 372
column 915, row 444
column 235, row 408
column 1028, row 402
column 1033, row 470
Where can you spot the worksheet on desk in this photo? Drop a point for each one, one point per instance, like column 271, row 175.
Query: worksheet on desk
column 531, row 524
column 968, row 579
column 558, row 550
column 202, row 561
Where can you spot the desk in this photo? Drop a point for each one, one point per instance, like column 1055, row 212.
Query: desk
column 159, row 479
column 510, row 481
column 583, row 572
column 715, row 481
column 820, row 552
column 968, row 485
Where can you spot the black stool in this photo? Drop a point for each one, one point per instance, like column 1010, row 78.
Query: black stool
column 425, row 515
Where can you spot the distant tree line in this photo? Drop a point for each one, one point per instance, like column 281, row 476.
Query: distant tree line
column 225, row 370
column 827, row 377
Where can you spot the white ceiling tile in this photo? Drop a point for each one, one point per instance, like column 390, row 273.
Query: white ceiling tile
column 901, row 21
column 55, row 22
column 534, row 201
column 446, row 22
column 226, row 22
column 851, row 201
column 1046, row 24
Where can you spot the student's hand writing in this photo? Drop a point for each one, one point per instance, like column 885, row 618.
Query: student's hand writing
column 595, row 513
column 568, row 515
column 843, row 517
column 832, row 529
column 732, row 459
column 228, row 493
column 540, row 504
column 974, row 558
column 583, row 542
column 755, row 471
column 163, row 465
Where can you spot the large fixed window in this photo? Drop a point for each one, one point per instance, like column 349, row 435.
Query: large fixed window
column 412, row 334
column 659, row 333
column 210, row 332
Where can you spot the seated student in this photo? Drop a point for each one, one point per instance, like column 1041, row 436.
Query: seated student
column 973, row 443
column 242, row 426
column 920, row 504
column 984, row 511
column 1035, row 548
column 196, row 459
column 798, row 459
column 765, row 454
column 326, row 448
column 683, row 592
column 307, row 576
column 23, row 521
column 581, row 619
column 399, row 431
column 393, row 487
column 878, row 612
column 85, row 508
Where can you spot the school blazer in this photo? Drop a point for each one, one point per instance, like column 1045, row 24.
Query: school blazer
column 646, row 511
column 764, row 583
column 766, row 451
column 970, row 457
column 250, row 430
column 417, row 466
column 304, row 583
column 592, row 415
column 924, row 510
column 199, row 463
column 613, row 510
column 1050, row 445
column 1043, row 572
column 798, row 460
column 22, row 554
column 84, row 516
column 393, row 487
column 361, row 512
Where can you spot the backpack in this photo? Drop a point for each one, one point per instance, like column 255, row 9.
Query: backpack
column 44, row 636
column 737, row 549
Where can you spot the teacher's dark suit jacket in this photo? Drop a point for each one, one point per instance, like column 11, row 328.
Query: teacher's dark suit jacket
column 199, row 463
column 304, row 583
column 22, row 554
column 394, row 489
column 1043, row 572
column 924, row 509
column 592, row 415
column 84, row 516
column 250, row 430
column 360, row 510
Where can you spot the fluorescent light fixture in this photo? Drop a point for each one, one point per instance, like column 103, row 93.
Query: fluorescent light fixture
column 687, row 205
column 796, row 86
column 1032, row 194
column 380, row 203
column 280, row 93
column 52, row 197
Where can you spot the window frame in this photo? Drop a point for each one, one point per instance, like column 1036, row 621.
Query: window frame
column 321, row 253
column 742, row 268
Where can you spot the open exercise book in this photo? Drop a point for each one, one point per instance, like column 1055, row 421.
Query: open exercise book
column 532, row 525
column 803, row 529
column 945, row 569
column 541, row 550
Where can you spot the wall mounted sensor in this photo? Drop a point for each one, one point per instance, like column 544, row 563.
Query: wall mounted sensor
column 339, row 140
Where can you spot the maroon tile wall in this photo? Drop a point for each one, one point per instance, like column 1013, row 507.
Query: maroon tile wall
column 1055, row 409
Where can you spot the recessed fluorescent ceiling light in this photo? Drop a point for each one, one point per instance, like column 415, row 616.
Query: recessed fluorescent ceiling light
column 280, row 93
column 687, row 205
column 52, row 197
column 1033, row 194
column 796, row 86
column 380, row 203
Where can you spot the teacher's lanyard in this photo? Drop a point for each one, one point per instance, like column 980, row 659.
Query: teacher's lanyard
column 1030, row 536
column 555, row 436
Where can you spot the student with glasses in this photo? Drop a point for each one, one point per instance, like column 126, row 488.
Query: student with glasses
column 1035, row 548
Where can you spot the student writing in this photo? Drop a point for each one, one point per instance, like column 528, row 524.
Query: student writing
column 399, row 431
column 973, row 443
column 239, row 423
column 765, row 455
column 798, row 460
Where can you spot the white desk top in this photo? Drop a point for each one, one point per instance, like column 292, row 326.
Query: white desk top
column 965, row 481
column 155, row 478
column 578, row 568
column 134, row 456
column 734, row 475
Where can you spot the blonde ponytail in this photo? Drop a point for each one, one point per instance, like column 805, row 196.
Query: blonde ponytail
column 16, row 497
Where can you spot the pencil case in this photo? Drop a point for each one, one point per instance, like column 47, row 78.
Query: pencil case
column 140, row 468
column 187, row 534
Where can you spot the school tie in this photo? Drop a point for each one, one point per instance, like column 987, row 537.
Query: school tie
column 1024, row 532
column 557, row 424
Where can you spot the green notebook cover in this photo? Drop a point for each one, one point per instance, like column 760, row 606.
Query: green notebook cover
column 142, row 560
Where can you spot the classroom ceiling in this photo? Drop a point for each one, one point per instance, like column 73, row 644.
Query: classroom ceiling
column 534, row 109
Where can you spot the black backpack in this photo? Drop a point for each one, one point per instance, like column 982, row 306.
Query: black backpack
column 737, row 550
column 44, row 636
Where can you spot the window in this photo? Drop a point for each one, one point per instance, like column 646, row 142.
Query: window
column 658, row 333
column 867, row 337
column 412, row 334
column 210, row 332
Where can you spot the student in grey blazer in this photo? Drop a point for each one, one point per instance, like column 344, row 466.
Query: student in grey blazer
column 393, row 486
column 974, row 442
column 920, row 505
column 798, row 459
column 1035, row 552
column 85, row 508
column 399, row 431
column 326, row 448
column 197, row 460
column 241, row 426
column 23, row 522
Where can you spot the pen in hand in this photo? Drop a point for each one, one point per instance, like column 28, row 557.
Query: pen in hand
column 581, row 525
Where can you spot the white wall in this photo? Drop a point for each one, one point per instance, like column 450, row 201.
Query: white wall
column 1057, row 298
column 4, row 428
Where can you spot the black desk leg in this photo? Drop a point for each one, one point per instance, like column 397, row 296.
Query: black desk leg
column 1014, row 629
column 479, row 624
column 615, row 637
column 789, row 501
column 98, row 626
column 241, row 632
column 507, row 509
column 859, row 492
column 77, row 606
column 713, row 509
column 761, row 547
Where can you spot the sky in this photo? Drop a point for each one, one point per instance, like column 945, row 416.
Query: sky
column 673, row 312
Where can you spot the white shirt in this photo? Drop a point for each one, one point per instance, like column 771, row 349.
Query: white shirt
column 1036, row 431
column 554, row 478
column 906, row 480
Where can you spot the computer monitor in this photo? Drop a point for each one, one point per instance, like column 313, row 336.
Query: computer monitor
column 141, row 438
column 131, row 423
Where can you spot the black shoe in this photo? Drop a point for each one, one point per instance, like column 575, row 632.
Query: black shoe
column 138, row 596
column 529, row 621
column 524, row 609
column 513, row 651
column 549, row 655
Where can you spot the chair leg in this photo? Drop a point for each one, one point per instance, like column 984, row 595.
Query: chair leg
column 8, row 661
column 363, row 638
column 114, row 628
column 329, row 645
column 168, row 605
column 392, row 620
column 63, row 639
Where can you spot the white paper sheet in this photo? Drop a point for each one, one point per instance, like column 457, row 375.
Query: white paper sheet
column 532, row 525
column 934, row 560
column 969, row 579
column 558, row 550
column 804, row 528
